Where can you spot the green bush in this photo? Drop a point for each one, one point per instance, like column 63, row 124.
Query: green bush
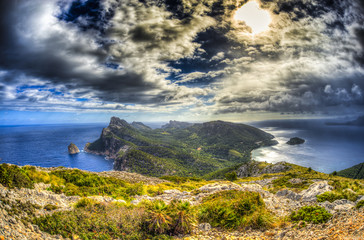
column 234, row 209
column 360, row 204
column 231, row 176
column 336, row 195
column 136, row 189
column 328, row 196
column 50, row 207
column 14, row 177
column 84, row 202
column 311, row 214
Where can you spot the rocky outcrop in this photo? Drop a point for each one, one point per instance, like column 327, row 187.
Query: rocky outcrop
column 253, row 169
column 295, row 141
column 308, row 195
column 73, row 149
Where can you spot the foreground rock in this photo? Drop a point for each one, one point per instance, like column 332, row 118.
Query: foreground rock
column 73, row 149
column 295, row 141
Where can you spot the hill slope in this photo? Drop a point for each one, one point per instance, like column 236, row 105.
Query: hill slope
column 38, row 203
column 356, row 172
column 192, row 150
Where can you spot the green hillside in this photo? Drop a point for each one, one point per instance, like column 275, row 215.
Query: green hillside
column 194, row 150
column 356, row 172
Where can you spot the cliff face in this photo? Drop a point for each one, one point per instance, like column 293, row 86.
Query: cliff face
column 181, row 149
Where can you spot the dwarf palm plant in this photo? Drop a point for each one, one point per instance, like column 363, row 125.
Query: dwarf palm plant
column 158, row 221
column 184, row 217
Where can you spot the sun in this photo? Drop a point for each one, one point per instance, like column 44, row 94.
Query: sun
column 256, row 18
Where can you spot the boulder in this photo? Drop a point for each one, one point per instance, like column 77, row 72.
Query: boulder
column 73, row 149
column 253, row 169
column 288, row 194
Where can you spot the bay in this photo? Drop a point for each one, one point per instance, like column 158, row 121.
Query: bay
column 327, row 148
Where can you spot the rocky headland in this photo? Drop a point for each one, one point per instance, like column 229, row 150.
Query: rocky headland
column 178, row 148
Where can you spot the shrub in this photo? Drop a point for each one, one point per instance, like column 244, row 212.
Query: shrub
column 136, row 189
column 84, row 202
column 50, row 207
column 336, row 195
column 360, row 204
column 14, row 177
column 234, row 209
column 312, row 214
column 328, row 196
column 231, row 176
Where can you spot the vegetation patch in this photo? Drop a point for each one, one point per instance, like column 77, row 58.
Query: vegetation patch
column 231, row 176
column 12, row 176
column 360, row 204
column 311, row 214
column 234, row 210
column 91, row 220
column 96, row 221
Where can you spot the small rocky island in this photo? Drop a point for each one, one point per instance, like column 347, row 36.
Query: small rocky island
column 73, row 149
column 295, row 141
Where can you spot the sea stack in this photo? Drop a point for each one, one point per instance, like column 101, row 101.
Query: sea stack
column 73, row 149
column 295, row 141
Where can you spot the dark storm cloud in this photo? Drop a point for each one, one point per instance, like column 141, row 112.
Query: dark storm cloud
column 73, row 50
column 170, row 54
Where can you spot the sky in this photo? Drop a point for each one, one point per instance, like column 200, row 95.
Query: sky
column 188, row 60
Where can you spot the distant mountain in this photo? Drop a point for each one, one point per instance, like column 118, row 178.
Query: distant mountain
column 189, row 150
column 356, row 172
column 140, row 126
column 176, row 124
column 358, row 122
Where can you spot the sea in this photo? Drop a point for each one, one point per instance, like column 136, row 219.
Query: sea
column 46, row 146
column 327, row 148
